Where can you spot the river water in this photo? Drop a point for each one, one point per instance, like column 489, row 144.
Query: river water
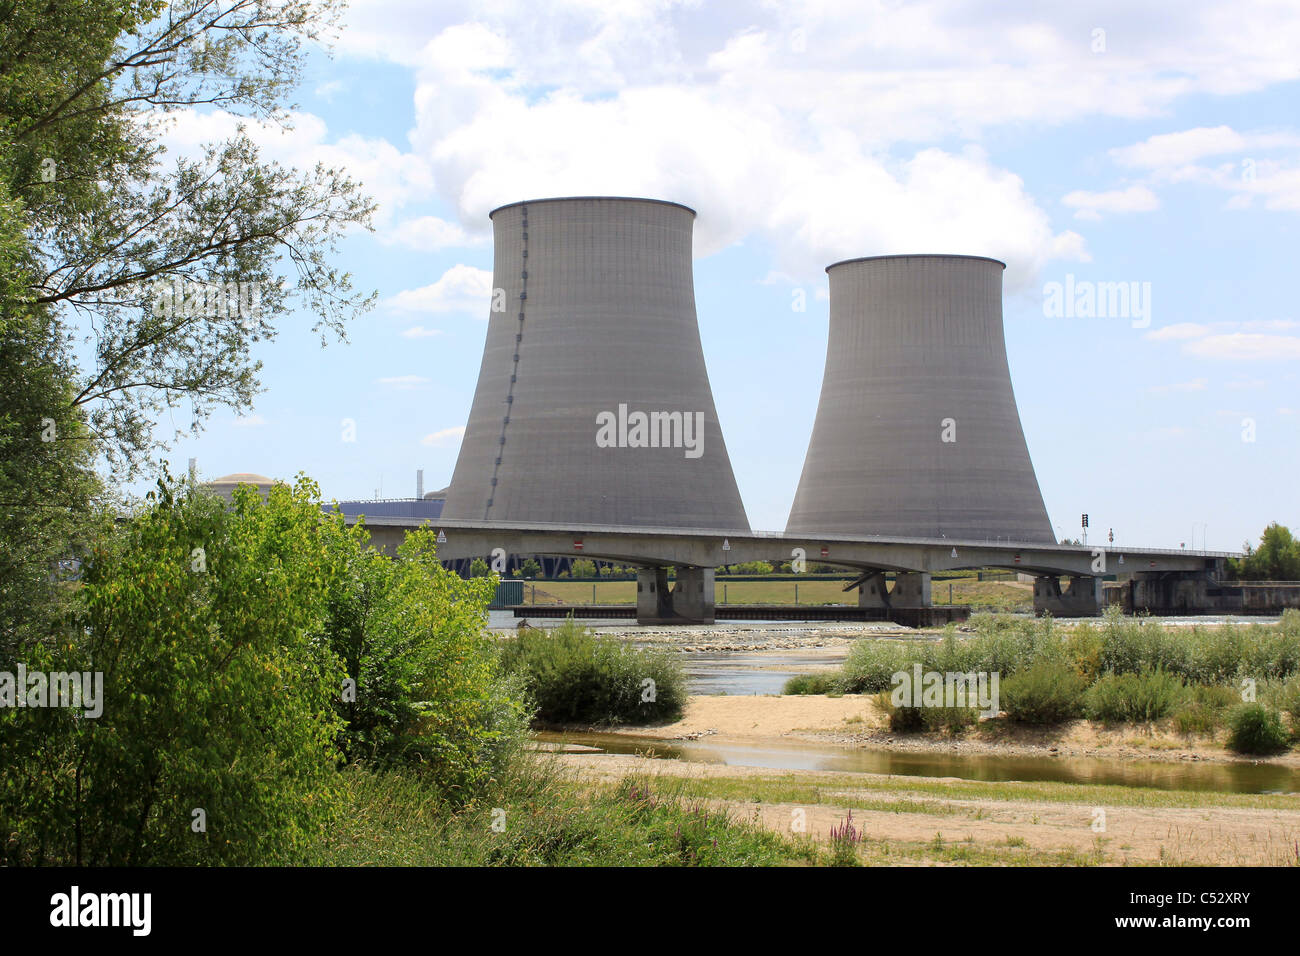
column 765, row 672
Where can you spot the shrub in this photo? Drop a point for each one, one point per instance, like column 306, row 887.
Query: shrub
column 1202, row 710
column 1135, row 697
column 427, row 683
column 812, row 684
column 1047, row 693
column 911, row 719
column 901, row 719
column 576, row 677
column 1286, row 698
column 216, row 692
column 1083, row 648
column 871, row 663
column 1255, row 729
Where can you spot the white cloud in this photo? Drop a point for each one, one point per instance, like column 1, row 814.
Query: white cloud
column 461, row 288
column 250, row 421
column 327, row 89
column 389, row 175
column 1245, row 340
column 420, row 332
column 430, row 234
column 1178, row 331
column 444, row 438
column 1167, row 150
column 1247, row 346
column 404, row 382
column 1242, row 167
column 1090, row 205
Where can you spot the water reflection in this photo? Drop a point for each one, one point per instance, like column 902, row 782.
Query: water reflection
column 1237, row 777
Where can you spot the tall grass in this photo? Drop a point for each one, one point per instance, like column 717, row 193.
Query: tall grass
column 1131, row 668
column 574, row 676
column 538, row 817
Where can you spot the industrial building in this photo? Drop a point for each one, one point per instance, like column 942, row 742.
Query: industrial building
column 917, row 432
column 593, row 403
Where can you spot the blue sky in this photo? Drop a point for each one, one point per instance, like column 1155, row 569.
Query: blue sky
column 1164, row 149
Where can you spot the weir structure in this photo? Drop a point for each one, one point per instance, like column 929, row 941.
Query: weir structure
column 917, row 433
column 593, row 403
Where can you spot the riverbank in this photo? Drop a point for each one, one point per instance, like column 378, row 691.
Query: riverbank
column 854, row 720
column 912, row 821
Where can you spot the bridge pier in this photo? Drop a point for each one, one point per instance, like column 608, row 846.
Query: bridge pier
column 690, row 601
column 1082, row 597
column 873, row 592
column 911, row 589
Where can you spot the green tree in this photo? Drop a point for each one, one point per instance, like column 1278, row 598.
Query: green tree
column 46, row 457
column 478, row 568
column 1276, row 559
column 531, row 569
column 413, row 639
column 117, row 229
column 218, row 693
column 582, row 568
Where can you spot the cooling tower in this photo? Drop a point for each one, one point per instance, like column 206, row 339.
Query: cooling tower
column 593, row 404
column 917, row 432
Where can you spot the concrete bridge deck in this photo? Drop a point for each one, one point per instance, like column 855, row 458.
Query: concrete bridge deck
column 697, row 553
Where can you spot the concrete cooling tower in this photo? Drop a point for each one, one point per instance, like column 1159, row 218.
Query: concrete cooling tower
column 593, row 405
column 917, row 432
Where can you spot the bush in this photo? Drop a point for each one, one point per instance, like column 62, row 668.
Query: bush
column 1203, row 709
column 1255, row 729
column 216, row 695
column 576, row 677
column 871, row 663
column 1286, row 697
column 812, row 684
column 1135, row 697
column 427, row 686
column 910, row 719
column 1046, row 693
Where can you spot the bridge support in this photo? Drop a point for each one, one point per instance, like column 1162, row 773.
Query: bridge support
column 911, row 589
column 873, row 591
column 690, row 601
column 1082, row 597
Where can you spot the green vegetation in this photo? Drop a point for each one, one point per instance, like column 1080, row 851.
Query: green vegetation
column 1120, row 670
column 813, row 684
column 576, row 677
column 1256, row 729
column 1276, row 559
column 1134, row 698
column 1047, row 692
column 536, row 817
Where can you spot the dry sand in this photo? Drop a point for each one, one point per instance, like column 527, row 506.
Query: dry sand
column 1179, row 835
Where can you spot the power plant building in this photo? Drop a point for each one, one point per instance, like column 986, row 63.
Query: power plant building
column 593, row 404
column 917, row 432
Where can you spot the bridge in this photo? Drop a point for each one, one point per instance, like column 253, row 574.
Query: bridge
column 1159, row 578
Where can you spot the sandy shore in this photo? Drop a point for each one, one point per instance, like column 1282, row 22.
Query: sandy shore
column 855, row 721
column 908, row 826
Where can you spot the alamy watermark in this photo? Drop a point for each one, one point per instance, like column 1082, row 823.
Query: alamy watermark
column 191, row 299
column 75, row 689
column 977, row 690
column 1085, row 299
column 639, row 429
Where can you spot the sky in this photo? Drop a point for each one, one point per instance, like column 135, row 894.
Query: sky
column 1156, row 146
